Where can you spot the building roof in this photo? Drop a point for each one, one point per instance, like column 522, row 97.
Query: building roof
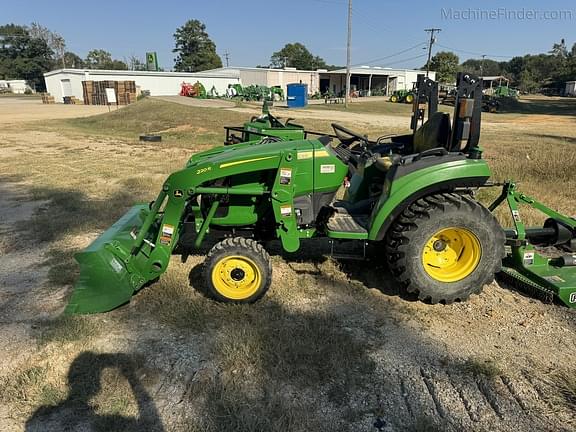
column 206, row 74
column 246, row 68
column 495, row 78
column 375, row 70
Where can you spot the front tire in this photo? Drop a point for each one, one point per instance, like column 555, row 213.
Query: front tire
column 445, row 247
column 237, row 270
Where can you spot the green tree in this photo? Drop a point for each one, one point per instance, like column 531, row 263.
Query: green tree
column 445, row 64
column 196, row 51
column 100, row 59
column 296, row 55
column 54, row 41
column 23, row 56
column 482, row 67
column 72, row 60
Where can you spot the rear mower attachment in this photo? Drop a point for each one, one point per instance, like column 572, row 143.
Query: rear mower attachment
column 530, row 264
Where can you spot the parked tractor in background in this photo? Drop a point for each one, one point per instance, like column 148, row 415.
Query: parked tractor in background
column 265, row 127
column 402, row 96
column 505, row 91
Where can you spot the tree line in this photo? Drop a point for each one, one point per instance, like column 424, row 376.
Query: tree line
column 27, row 52
column 529, row 73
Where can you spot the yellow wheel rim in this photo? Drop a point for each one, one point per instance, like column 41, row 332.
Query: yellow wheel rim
column 393, row 99
column 451, row 254
column 236, row 277
column 409, row 99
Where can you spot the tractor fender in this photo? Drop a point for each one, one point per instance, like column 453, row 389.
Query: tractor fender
column 420, row 183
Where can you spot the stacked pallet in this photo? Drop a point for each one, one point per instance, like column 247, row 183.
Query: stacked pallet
column 72, row 100
column 94, row 92
column 47, row 98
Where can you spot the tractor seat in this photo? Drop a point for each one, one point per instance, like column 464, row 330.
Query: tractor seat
column 434, row 133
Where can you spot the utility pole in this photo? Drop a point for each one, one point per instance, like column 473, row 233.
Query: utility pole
column 432, row 40
column 482, row 66
column 348, row 54
column 227, row 57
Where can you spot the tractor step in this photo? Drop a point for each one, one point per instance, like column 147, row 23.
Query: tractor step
column 347, row 226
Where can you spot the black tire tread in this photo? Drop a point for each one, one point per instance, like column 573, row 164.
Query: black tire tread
column 398, row 238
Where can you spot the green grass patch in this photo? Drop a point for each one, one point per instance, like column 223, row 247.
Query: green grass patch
column 175, row 122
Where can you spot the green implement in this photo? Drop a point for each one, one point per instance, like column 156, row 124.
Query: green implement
column 412, row 195
column 530, row 264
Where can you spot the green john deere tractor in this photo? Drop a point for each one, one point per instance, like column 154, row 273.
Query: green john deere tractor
column 413, row 195
column 402, row 96
column 266, row 128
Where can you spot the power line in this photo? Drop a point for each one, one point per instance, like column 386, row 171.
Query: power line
column 407, row 59
column 227, row 57
column 473, row 53
column 391, row 55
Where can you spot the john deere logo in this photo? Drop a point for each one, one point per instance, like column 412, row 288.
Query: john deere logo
column 178, row 193
column 151, row 58
column 572, row 298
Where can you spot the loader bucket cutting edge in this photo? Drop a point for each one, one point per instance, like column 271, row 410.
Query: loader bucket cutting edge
column 105, row 282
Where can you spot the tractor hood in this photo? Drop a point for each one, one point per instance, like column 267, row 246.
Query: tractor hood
column 245, row 153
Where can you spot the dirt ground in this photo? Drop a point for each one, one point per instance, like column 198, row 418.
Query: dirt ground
column 16, row 110
column 332, row 347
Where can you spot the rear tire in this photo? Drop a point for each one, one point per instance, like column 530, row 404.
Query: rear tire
column 409, row 99
column 237, row 270
column 445, row 247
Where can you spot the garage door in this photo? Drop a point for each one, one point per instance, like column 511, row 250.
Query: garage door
column 66, row 87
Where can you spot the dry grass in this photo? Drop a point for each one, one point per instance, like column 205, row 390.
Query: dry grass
column 289, row 362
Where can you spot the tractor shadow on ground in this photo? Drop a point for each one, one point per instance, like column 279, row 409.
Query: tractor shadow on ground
column 77, row 411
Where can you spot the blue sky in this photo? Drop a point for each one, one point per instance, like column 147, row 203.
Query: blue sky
column 251, row 30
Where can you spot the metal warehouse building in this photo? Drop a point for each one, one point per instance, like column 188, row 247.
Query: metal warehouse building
column 364, row 79
column 68, row 82
column 274, row 77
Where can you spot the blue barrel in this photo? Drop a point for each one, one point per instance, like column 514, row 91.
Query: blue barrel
column 297, row 95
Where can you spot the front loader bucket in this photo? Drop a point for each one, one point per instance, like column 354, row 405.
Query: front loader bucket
column 106, row 281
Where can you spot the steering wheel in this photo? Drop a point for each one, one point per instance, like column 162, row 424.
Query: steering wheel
column 352, row 137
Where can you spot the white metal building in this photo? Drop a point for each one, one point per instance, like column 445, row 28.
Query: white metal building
column 68, row 82
column 366, row 80
column 570, row 89
column 274, row 77
column 15, row 86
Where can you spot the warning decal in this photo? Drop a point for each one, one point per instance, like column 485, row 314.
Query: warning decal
column 285, row 176
column 286, row 210
column 327, row 169
column 528, row 258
